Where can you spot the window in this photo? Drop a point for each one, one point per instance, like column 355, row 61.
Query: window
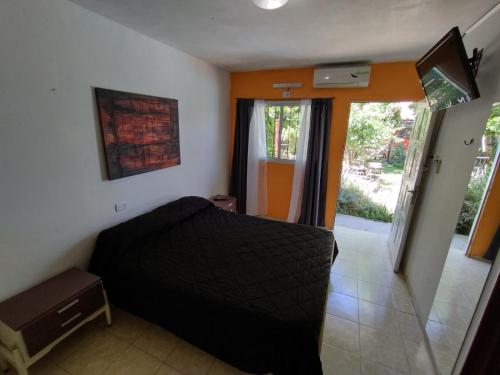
column 282, row 129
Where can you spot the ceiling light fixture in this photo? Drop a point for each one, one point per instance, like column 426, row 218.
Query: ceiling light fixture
column 270, row 4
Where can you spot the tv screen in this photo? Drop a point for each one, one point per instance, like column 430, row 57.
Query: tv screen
column 446, row 74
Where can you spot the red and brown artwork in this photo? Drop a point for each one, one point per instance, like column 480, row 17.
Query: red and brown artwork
column 140, row 132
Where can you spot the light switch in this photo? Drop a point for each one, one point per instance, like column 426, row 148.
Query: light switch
column 120, row 206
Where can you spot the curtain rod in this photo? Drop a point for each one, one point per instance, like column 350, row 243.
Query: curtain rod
column 290, row 99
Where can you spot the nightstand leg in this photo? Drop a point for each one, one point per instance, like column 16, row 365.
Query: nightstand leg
column 107, row 311
column 3, row 364
column 19, row 364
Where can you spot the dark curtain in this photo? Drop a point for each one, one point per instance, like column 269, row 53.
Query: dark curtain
column 312, row 210
column 238, row 187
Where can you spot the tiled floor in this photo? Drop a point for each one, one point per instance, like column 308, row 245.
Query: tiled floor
column 131, row 346
column 370, row 328
column 456, row 298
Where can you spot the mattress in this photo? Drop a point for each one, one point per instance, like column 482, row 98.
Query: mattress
column 248, row 290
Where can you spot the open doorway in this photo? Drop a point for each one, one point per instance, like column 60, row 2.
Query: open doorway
column 471, row 254
column 376, row 147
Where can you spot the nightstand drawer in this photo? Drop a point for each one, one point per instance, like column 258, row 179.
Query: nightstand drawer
column 62, row 318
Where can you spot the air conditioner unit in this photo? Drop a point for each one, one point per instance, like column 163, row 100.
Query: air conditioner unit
column 342, row 76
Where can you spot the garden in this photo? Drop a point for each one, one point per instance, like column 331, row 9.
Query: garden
column 481, row 172
column 377, row 140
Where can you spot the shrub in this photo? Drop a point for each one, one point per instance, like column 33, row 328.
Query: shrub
column 353, row 201
column 398, row 164
column 471, row 204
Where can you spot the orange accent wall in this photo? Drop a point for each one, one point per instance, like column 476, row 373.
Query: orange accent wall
column 488, row 221
column 389, row 82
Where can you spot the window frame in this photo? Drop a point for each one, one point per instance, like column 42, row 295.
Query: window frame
column 282, row 103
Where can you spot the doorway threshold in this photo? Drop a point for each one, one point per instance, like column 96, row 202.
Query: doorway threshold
column 362, row 224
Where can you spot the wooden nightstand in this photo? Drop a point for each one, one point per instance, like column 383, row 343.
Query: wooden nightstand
column 225, row 202
column 34, row 321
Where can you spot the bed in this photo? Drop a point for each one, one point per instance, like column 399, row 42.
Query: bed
column 248, row 290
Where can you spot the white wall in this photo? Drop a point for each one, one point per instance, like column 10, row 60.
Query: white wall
column 54, row 196
column 443, row 194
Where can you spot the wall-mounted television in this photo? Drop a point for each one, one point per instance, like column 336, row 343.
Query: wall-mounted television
column 447, row 74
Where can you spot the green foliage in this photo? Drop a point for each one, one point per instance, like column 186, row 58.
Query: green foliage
column 282, row 120
column 398, row 155
column 471, row 203
column 392, row 168
column 493, row 124
column 477, row 184
column 353, row 201
column 372, row 127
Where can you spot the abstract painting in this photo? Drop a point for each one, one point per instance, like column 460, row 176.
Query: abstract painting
column 140, row 132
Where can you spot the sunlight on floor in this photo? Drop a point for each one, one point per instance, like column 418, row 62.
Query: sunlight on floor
column 371, row 327
column 457, row 296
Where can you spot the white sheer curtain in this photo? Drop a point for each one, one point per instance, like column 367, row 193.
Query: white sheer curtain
column 300, row 161
column 257, row 162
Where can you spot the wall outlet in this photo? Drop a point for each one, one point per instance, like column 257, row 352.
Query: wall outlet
column 120, row 206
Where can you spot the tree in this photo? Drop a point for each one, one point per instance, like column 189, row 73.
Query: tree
column 373, row 127
column 493, row 124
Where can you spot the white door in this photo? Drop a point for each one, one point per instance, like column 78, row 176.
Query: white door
column 420, row 141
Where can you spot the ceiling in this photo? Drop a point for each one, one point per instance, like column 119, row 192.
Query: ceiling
column 236, row 35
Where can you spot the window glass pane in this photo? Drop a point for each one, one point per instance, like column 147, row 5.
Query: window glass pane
column 282, row 125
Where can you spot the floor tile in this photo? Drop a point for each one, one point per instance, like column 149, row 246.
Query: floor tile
column 342, row 306
column 379, row 317
column 419, row 359
column 445, row 360
column 344, row 284
column 127, row 326
column 341, row 333
column 167, row 370
column 455, row 336
column 384, row 349
column 371, row 263
column 450, row 294
column 433, row 316
column 345, row 268
column 401, row 301
column 42, row 367
column 453, row 315
column 222, row 368
column 375, row 293
column 409, row 327
column 157, row 342
column 133, row 361
column 349, row 255
column 339, row 362
column 436, row 333
column 373, row 368
column 190, row 360
column 93, row 355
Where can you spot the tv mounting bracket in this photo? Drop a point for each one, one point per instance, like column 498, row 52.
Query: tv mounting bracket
column 475, row 60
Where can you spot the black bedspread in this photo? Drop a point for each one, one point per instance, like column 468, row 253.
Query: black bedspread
column 248, row 290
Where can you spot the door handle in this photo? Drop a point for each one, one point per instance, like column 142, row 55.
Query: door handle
column 414, row 193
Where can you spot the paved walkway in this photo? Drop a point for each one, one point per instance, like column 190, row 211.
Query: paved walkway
column 359, row 223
